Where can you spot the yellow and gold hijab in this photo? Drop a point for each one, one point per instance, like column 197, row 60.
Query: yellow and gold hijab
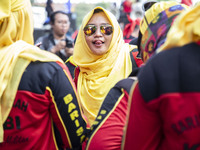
column 98, row 74
column 186, row 29
column 16, row 51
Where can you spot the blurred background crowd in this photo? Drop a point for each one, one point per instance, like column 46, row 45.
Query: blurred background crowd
column 76, row 9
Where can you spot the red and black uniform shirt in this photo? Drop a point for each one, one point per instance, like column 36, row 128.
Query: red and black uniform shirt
column 45, row 113
column 165, row 106
column 107, row 131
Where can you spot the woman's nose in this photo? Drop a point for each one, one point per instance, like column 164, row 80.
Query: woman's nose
column 98, row 32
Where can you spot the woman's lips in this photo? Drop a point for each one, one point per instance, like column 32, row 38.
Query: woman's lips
column 98, row 43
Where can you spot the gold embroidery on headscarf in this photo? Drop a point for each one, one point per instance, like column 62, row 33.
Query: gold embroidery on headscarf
column 154, row 11
column 186, row 28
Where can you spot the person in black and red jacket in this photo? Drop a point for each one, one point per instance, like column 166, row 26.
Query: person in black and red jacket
column 164, row 106
column 39, row 106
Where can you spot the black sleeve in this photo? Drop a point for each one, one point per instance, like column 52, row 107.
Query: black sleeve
column 68, row 109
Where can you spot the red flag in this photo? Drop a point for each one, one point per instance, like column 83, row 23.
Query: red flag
column 187, row 2
column 129, row 28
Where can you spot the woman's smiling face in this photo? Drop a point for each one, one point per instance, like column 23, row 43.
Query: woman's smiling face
column 98, row 42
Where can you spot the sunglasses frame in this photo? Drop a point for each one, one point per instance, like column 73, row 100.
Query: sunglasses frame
column 95, row 27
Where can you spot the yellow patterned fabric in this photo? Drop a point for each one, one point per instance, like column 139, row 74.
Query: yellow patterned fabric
column 155, row 34
column 186, row 29
column 99, row 73
column 16, row 51
column 156, row 9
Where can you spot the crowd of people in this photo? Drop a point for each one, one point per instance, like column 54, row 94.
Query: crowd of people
column 134, row 89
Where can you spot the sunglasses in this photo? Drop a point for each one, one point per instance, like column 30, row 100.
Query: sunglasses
column 148, row 5
column 91, row 29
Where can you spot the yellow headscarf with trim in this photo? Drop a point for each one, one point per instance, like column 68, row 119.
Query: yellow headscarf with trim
column 16, row 51
column 153, row 12
column 98, row 74
column 155, row 25
column 185, row 29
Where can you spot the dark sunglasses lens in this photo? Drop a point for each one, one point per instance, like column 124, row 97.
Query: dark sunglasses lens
column 89, row 30
column 107, row 30
column 148, row 5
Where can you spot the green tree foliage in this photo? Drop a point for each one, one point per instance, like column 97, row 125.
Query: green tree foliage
column 32, row 2
column 82, row 9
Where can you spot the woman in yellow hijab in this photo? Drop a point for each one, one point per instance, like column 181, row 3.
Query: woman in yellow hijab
column 103, row 59
column 35, row 88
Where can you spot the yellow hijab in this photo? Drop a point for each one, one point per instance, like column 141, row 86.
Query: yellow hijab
column 16, row 51
column 186, row 29
column 98, row 74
